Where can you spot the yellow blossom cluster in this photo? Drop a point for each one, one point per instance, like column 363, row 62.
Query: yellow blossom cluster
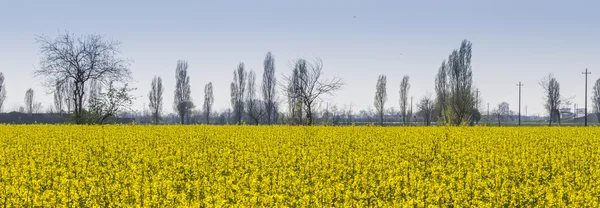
column 283, row 166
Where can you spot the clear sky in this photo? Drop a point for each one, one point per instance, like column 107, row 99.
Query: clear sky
column 512, row 41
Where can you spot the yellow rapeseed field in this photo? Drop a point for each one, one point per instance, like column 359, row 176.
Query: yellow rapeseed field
column 270, row 166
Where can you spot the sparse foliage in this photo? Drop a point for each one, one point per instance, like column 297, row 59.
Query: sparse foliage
column 2, row 91
column 255, row 108
column 68, row 96
column 595, row 97
column 156, row 99
column 504, row 111
column 441, row 91
column 498, row 114
column 404, row 88
column 29, row 101
column 182, row 104
column 552, row 97
column 208, row 101
column 454, row 87
column 269, row 84
column 58, row 98
column 238, row 91
column 292, row 92
column 426, row 109
column 381, row 97
column 106, row 105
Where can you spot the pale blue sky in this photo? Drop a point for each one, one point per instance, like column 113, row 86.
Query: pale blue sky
column 512, row 41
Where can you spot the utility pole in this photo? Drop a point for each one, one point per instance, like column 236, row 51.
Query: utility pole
column 585, row 111
column 520, row 85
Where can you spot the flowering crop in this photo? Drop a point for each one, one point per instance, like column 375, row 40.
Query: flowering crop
column 266, row 166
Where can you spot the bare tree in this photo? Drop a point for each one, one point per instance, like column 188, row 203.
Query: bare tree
column 381, row 97
column 497, row 113
column 348, row 114
column 441, row 91
column 182, row 104
column 79, row 60
column 238, row 91
column 255, row 109
column 309, row 86
column 595, row 97
column 58, row 98
column 208, row 101
column 156, row 99
column 29, row 101
column 426, row 107
column 552, row 97
column 2, row 91
column 404, row 88
column 37, row 107
column 504, row 111
column 50, row 110
column 269, row 83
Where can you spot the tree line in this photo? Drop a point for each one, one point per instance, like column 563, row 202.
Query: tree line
column 88, row 79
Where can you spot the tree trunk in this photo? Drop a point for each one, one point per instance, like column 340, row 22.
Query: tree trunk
column 269, row 109
column 309, row 116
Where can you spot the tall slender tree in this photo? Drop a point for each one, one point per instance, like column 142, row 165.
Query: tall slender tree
column 595, row 97
column 29, row 102
column 208, row 101
column 269, row 84
column 68, row 96
column 255, row 109
column 58, row 98
column 292, row 92
column 441, row 92
column 552, row 97
column 156, row 99
column 183, row 104
column 381, row 97
column 238, row 91
column 404, row 88
column 454, row 87
column 2, row 91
